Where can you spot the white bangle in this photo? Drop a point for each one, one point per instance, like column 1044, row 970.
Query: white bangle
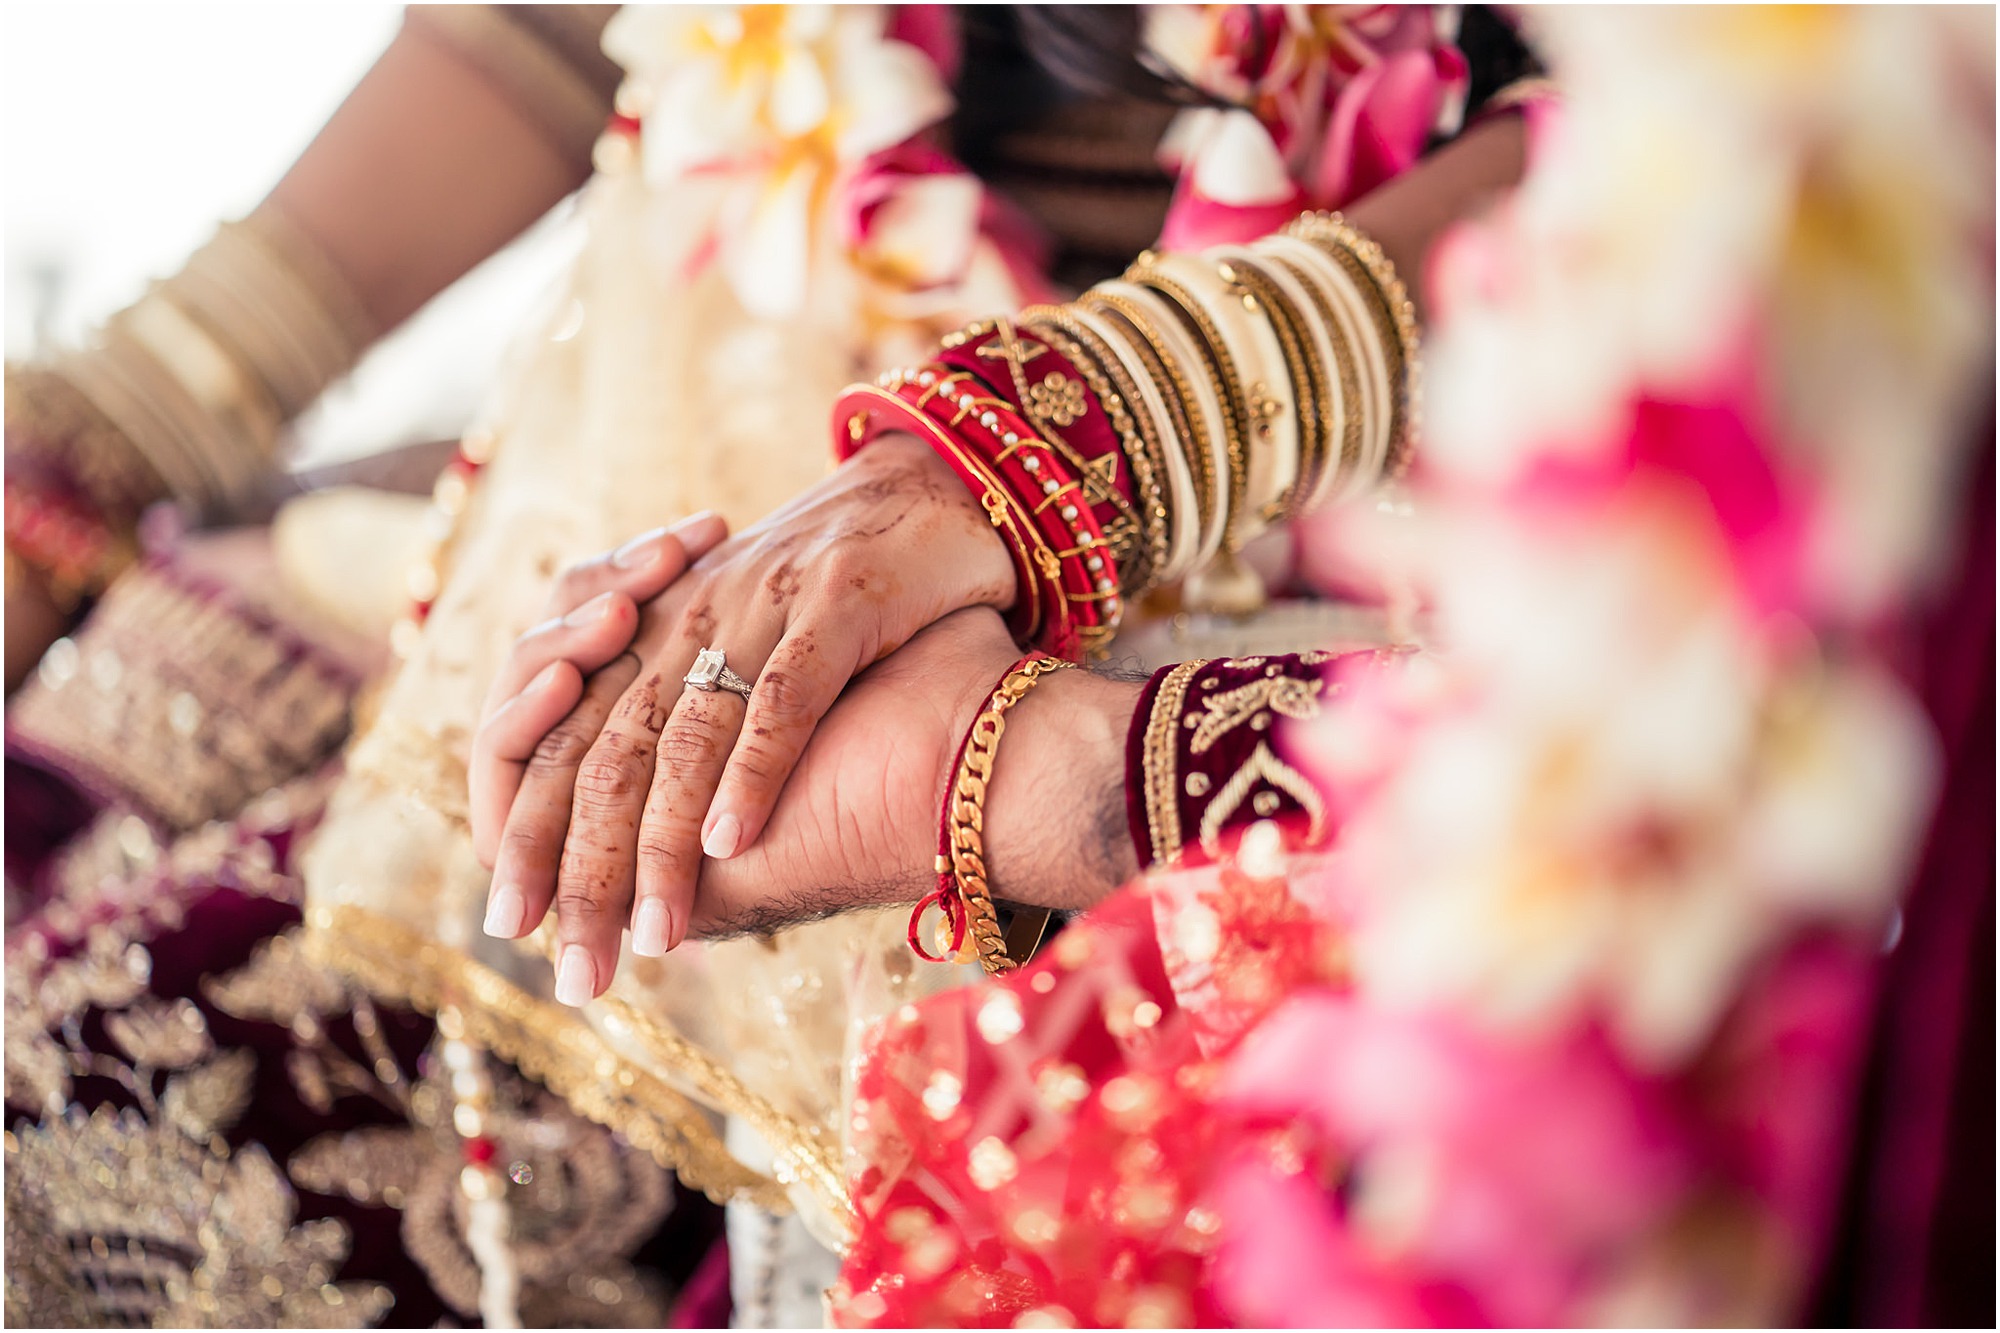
column 1270, row 423
column 1370, row 361
column 1174, row 337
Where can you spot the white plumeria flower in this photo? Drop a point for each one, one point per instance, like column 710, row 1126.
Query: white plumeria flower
column 753, row 115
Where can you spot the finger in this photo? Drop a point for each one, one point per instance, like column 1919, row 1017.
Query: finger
column 501, row 748
column 595, row 875
column 793, row 691
column 588, row 636
column 643, row 567
column 525, row 863
column 691, row 754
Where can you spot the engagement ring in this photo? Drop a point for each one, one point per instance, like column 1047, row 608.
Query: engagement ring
column 711, row 672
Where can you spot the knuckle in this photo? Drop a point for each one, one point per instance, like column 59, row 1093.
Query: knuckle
column 609, row 774
column 660, row 849
column 523, row 844
column 759, row 766
column 562, row 748
column 584, row 904
column 688, row 742
column 782, row 696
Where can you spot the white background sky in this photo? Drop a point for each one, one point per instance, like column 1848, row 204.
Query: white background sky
column 130, row 130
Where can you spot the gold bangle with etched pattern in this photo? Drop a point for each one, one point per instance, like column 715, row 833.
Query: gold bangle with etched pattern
column 1397, row 317
column 1189, row 426
column 1222, row 373
column 1343, row 365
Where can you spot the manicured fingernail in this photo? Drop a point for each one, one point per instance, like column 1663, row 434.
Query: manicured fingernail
column 576, row 977
column 722, row 836
column 700, row 531
column 641, row 550
column 505, row 912
column 545, row 677
column 591, row 611
column 649, row 928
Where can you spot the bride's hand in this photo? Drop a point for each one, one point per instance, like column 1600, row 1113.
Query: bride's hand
column 615, row 808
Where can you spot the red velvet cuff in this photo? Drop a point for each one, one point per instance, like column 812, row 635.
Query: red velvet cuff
column 1201, row 763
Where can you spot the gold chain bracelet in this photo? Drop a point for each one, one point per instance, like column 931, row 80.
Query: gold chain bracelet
column 965, row 811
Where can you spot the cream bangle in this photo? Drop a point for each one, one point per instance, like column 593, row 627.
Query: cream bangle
column 1341, row 380
column 1333, row 392
column 1364, row 340
column 1175, row 338
column 1284, row 310
column 1263, row 382
column 1183, row 521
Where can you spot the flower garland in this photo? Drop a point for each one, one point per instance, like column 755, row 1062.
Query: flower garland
column 1567, row 1030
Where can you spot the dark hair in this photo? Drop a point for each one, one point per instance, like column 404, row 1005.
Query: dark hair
column 1095, row 50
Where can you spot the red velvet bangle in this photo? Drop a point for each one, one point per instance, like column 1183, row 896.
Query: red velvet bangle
column 1055, row 400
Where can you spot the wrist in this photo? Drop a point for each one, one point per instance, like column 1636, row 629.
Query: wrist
column 979, row 555
column 1055, row 827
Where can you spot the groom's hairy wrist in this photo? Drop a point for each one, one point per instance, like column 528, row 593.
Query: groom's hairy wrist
column 1055, row 828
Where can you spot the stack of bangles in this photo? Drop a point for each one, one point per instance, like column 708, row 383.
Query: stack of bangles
column 1140, row 435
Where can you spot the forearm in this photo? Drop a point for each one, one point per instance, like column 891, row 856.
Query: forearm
column 429, row 166
column 1408, row 213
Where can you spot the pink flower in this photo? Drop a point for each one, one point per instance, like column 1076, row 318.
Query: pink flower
column 1489, row 1175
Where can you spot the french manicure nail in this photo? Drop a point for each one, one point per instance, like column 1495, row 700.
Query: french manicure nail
column 722, row 836
column 576, row 977
column 505, row 911
column 640, row 550
column 590, row 612
column 649, row 928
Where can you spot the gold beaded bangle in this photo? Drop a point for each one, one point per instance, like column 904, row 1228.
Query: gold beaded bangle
column 1221, row 371
column 1262, row 296
column 966, row 811
column 1189, row 426
column 1149, row 463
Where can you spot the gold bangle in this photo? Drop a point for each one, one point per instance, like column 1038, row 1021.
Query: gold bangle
column 1398, row 315
column 967, row 811
column 1191, row 425
column 1124, row 549
column 1343, row 365
column 1221, row 369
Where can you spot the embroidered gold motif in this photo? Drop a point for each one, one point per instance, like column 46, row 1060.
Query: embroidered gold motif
column 1222, row 713
column 1059, row 400
column 1265, row 767
column 548, row 1044
column 188, row 702
column 580, row 1200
